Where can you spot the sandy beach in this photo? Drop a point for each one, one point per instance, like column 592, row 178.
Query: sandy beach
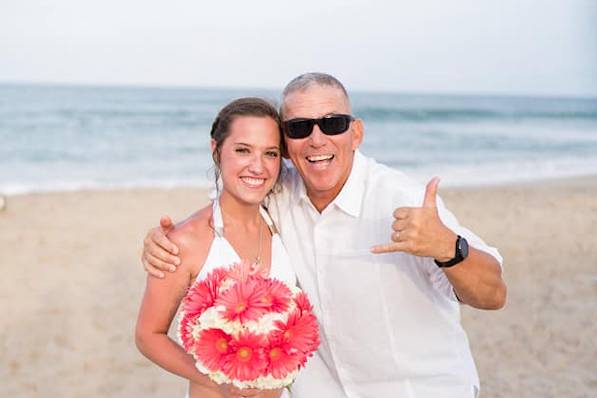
column 72, row 281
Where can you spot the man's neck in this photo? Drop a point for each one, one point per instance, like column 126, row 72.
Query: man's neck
column 321, row 200
column 320, row 203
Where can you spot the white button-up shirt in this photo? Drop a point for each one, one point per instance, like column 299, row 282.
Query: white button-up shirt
column 389, row 323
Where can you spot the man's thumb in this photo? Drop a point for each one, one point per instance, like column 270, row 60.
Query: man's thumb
column 431, row 193
column 166, row 223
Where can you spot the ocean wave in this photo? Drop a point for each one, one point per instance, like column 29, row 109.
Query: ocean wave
column 464, row 174
column 73, row 138
column 439, row 114
column 12, row 189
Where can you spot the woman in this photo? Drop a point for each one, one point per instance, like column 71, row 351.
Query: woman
column 246, row 148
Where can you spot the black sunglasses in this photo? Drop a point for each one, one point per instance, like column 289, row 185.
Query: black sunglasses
column 329, row 125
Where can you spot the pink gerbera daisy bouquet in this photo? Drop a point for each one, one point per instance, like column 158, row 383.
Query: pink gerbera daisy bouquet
column 246, row 329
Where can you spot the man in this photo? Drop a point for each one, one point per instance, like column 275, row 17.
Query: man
column 389, row 313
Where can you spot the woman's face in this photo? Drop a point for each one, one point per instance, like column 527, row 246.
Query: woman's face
column 250, row 158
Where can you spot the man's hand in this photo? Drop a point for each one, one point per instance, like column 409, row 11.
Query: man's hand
column 159, row 254
column 419, row 230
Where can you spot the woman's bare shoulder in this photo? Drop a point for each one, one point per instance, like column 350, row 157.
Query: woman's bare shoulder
column 193, row 236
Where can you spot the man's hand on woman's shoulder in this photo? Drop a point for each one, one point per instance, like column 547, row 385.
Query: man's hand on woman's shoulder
column 159, row 253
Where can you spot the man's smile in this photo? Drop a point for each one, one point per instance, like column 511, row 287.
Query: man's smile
column 319, row 158
column 319, row 162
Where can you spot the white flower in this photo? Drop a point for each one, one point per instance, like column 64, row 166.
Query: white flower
column 212, row 319
column 267, row 382
column 265, row 324
column 218, row 377
column 225, row 285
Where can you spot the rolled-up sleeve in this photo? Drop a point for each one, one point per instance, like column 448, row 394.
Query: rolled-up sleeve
column 473, row 240
column 437, row 277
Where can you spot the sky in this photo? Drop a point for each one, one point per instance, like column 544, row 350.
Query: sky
column 527, row 47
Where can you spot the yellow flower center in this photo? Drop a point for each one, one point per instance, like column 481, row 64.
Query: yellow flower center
column 275, row 353
column 241, row 307
column 222, row 345
column 244, row 353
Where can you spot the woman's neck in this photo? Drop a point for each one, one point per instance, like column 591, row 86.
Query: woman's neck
column 239, row 213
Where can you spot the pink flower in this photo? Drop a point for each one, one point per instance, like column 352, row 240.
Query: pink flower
column 277, row 297
column 203, row 294
column 241, row 272
column 245, row 301
column 186, row 327
column 303, row 303
column 213, row 348
column 247, row 359
column 242, row 294
column 280, row 362
column 299, row 333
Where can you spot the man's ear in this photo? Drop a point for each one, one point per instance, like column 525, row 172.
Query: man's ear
column 358, row 131
column 284, row 148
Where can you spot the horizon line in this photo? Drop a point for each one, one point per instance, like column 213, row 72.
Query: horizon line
column 171, row 86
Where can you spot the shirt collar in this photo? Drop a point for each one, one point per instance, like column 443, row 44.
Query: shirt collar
column 351, row 196
column 300, row 191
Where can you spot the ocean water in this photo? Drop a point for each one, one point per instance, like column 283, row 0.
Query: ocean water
column 55, row 138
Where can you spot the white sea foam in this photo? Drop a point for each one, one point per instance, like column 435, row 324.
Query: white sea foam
column 483, row 174
column 14, row 188
column 507, row 172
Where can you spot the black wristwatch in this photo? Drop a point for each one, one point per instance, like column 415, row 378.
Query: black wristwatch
column 461, row 254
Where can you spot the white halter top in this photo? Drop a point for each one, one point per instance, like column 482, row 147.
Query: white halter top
column 221, row 253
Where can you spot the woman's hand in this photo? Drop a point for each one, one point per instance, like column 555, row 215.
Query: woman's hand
column 229, row 390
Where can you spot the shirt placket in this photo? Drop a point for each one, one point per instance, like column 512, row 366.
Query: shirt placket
column 322, row 242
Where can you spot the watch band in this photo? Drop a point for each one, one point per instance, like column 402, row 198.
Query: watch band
column 461, row 254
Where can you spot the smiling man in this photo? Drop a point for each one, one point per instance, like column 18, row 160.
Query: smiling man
column 388, row 312
column 324, row 161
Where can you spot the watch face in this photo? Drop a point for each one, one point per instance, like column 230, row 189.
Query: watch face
column 463, row 247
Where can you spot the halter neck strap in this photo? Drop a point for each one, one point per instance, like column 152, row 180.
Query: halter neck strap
column 268, row 220
column 218, row 220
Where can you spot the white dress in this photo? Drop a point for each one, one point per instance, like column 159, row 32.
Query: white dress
column 222, row 253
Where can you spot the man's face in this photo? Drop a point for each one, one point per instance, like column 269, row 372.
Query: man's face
column 324, row 161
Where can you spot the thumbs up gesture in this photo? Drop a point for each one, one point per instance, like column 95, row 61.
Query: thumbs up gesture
column 420, row 231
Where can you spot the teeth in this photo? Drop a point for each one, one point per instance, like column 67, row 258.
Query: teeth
column 318, row 158
column 253, row 181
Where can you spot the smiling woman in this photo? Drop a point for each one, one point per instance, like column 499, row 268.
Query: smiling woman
column 248, row 121
column 237, row 112
column 246, row 149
